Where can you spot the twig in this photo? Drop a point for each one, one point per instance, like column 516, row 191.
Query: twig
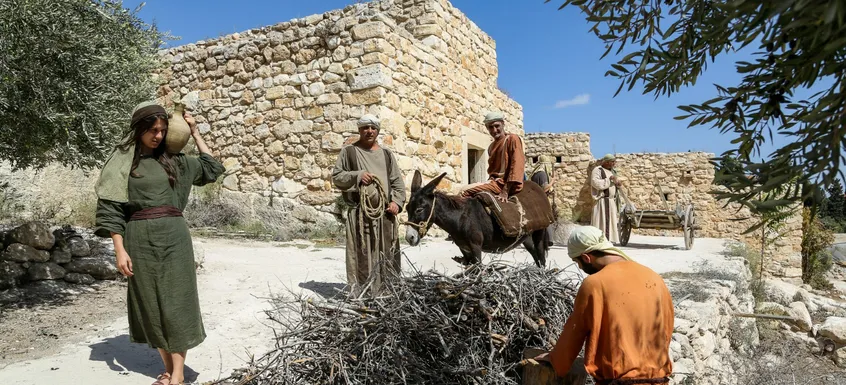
column 767, row 316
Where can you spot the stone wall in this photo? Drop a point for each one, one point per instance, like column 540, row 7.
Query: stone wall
column 34, row 252
column 683, row 178
column 277, row 103
column 570, row 156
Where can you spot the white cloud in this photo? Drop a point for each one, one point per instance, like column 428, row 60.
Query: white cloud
column 576, row 101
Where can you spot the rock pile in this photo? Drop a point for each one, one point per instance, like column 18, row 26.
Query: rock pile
column 708, row 342
column 816, row 319
column 32, row 252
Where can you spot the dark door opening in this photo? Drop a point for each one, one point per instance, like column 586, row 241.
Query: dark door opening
column 474, row 156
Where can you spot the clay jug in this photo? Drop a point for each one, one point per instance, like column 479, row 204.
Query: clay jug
column 178, row 130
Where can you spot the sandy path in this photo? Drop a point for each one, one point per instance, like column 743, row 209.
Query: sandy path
column 237, row 278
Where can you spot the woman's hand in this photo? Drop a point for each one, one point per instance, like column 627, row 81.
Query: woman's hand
column 192, row 123
column 124, row 263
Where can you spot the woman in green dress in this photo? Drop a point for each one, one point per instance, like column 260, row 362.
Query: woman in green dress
column 141, row 194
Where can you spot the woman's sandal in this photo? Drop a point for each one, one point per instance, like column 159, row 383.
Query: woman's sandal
column 160, row 379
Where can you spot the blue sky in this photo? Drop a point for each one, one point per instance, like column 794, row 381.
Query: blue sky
column 548, row 62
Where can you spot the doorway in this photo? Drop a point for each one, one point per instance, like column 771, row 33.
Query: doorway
column 475, row 165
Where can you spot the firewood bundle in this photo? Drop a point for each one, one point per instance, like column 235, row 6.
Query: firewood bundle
column 428, row 328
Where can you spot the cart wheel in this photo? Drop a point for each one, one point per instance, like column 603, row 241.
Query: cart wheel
column 689, row 224
column 625, row 229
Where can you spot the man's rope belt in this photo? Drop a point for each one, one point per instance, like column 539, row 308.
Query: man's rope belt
column 634, row 381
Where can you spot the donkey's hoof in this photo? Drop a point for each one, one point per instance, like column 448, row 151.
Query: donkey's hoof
column 461, row 260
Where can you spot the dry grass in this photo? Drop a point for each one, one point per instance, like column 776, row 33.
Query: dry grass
column 694, row 285
column 210, row 213
column 779, row 360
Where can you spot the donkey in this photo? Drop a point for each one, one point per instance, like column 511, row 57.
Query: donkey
column 468, row 223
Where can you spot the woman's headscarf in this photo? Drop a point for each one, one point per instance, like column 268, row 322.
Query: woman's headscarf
column 113, row 184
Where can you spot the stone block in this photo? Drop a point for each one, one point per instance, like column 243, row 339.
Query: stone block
column 77, row 278
column 365, row 97
column 336, row 68
column 230, row 182
column 18, row 252
column 95, row 267
column 370, row 76
column 330, row 78
column 234, row 66
column 427, row 30
column 316, row 89
column 369, row 30
column 276, row 148
column 34, row 234
column 275, row 93
column 328, row 99
column 10, row 274
column 45, row 271
column 332, row 141
column 313, row 112
column 834, row 328
column 376, row 57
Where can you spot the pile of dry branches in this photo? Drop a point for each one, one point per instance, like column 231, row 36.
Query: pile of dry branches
column 428, row 328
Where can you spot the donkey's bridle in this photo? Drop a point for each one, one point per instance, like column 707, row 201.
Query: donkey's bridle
column 423, row 226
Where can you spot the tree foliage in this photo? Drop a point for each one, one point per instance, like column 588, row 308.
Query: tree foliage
column 816, row 259
column 833, row 210
column 801, row 44
column 70, row 73
column 835, row 203
column 725, row 167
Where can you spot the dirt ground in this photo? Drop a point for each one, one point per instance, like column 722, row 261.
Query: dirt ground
column 38, row 321
column 52, row 336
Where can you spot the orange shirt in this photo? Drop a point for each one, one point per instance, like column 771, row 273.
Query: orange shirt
column 624, row 316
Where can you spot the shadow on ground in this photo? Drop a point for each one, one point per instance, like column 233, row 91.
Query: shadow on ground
column 645, row 246
column 121, row 355
column 48, row 294
column 325, row 289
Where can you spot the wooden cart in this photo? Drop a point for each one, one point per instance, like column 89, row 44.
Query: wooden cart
column 683, row 217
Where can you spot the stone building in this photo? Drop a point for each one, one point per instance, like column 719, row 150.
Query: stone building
column 681, row 178
column 277, row 103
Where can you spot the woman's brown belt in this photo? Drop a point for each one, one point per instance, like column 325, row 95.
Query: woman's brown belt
column 156, row 212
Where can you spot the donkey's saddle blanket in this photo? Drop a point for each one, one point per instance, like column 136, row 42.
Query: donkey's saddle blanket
column 526, row 212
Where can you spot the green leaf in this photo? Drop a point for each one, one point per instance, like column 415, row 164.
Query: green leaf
column 620, row 68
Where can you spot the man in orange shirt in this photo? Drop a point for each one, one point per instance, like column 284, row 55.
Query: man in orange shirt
column 623, row 315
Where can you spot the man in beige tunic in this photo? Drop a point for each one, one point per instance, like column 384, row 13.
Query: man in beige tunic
column 372, row 248
column 604, row 183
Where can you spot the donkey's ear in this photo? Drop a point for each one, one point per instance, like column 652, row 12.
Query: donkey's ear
column 416, row 181
column 430, row 187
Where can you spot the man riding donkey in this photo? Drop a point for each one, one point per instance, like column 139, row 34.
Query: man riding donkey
column 373, row 187
column 623, row 315
column 506, row 162
column 519, row 209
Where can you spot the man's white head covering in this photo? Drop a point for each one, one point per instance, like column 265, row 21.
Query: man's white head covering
column 493, row 117
column 608, row 157
column 369, row 120
column 584, row 239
